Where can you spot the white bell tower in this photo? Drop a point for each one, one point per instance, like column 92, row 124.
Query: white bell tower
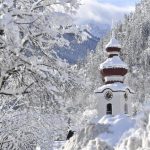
column 114, row 97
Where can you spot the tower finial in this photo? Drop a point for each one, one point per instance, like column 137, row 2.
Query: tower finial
column 113, row 29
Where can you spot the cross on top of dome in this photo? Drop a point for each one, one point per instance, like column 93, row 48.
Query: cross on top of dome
column 113, row 41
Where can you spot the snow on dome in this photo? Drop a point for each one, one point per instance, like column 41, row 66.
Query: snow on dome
column 114, row 62
column 113, row 43
column 117, row 86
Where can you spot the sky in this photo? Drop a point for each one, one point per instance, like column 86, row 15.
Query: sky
column 104, row 11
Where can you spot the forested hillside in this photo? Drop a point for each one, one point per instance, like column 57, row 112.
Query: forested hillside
column 134, row 34
column 84, row 41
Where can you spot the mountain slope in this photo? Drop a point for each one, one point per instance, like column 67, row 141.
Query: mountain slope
column 81, row 44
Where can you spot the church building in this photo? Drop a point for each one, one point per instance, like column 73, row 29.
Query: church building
column 114, row 97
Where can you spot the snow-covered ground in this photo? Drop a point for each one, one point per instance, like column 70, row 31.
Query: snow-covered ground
column 103, row 133
column 57, row 145
column 139, row 137
column 118, row 126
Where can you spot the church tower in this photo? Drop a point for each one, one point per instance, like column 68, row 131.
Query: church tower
column 114, row 97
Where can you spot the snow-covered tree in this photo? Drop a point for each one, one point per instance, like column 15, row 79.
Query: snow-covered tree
column 34, row 83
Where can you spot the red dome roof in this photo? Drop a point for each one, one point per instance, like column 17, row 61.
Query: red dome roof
column 114, row 71
column 113, row 49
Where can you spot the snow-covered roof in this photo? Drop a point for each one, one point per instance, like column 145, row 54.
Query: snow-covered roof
column 113, row 43
column 117, row 86
column 113, row 62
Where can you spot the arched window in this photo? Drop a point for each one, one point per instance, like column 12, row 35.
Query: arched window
column 109, row 109
column 125, row 108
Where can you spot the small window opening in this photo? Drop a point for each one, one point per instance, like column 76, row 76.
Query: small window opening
column 109, row 109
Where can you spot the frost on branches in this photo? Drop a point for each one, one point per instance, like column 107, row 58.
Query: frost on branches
column 34, row 82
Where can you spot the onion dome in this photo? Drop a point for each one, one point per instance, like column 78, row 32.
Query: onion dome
column 113, row 46
column 113, row 69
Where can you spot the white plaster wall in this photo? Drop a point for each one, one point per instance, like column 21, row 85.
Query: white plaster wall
column 130, row 103
column 117, row 101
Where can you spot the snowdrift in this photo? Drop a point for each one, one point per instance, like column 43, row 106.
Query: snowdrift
column 139, row 137
column 102, row 134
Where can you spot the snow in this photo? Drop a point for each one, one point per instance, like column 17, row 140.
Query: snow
column 139, row 137
column 38, row 148
column 104, row 133
column 118, row 126
column 58, row 144
column 117, row 86
column 114, row 78
column 9, row 3
column 114, row 62
column 113, row 43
